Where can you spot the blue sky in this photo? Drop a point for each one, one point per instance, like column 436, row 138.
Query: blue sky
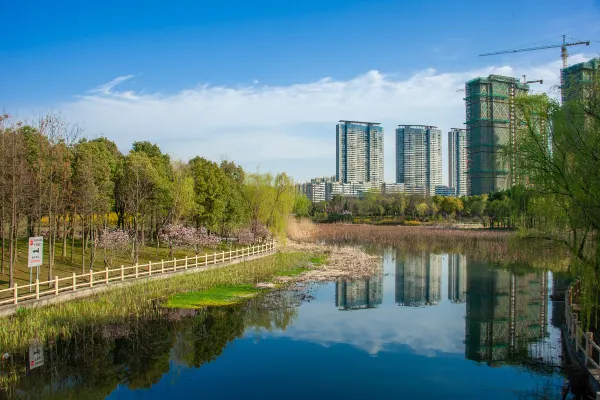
column 264, row 82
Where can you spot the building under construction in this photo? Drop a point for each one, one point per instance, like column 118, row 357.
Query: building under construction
column 578, row 79
column 491, row 127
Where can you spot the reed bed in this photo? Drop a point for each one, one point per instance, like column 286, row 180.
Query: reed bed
column 144, row 299
column 478, row 244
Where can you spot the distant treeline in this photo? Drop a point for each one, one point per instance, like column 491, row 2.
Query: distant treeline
column 517, row 207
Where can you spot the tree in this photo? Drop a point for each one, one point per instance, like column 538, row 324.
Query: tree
column 92, row 189
column 211, row 190
column 302, row 206
column 140, row 186
column 183, row 193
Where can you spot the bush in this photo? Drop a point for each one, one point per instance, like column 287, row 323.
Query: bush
column 411, row 223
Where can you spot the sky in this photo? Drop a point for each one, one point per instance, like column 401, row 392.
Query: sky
column 264, row 83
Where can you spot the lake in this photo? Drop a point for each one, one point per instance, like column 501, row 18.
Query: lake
column 426, row 326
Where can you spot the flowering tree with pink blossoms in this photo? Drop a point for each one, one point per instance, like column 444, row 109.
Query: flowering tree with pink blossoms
column 113, row 242
column 178, row 237
column 246, row 237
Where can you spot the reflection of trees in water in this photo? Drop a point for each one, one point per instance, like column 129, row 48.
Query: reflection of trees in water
column 137, row 353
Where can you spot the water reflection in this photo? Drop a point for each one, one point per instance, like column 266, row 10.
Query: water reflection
column 457, row 278
column 505, row 312
column 418, row 279
column 455, row 314
column 360, row 293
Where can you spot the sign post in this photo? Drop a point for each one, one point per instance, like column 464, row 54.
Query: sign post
column 36, row 354
column 36, row 253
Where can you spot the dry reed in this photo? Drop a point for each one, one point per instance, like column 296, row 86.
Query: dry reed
column 481, row 244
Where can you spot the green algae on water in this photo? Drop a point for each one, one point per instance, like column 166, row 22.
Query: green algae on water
column 222, row 295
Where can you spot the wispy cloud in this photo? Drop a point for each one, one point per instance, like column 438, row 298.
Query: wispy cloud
column 287, row 128
column 106, row 88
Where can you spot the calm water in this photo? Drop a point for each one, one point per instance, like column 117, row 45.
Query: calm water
column 424, row 327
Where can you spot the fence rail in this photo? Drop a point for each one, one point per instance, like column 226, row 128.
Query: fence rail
column 37, row 290
column 584, row 341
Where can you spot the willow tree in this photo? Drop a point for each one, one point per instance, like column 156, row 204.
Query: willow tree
column 558, row 149
column 269, row 200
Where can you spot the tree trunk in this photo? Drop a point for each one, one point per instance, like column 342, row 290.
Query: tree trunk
column 64, row 236
column 82, row 245
column 73, row 220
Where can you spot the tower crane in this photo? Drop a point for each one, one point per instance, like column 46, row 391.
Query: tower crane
column 525, row 81
column 563, row 49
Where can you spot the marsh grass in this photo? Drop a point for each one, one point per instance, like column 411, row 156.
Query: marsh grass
column 222, row 295
column 144, row 299
column 479, row 244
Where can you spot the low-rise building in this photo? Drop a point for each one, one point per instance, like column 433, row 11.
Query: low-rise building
column 442, row 190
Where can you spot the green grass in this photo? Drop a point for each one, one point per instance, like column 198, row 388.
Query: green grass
column 136, row 300
column 319, row 260
column 222, row 295
column 292, row 272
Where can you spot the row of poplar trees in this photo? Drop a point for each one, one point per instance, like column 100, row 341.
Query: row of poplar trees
column 54, row 182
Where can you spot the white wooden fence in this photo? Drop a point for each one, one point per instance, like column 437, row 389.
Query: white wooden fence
column 54, row 287
column 584, row 341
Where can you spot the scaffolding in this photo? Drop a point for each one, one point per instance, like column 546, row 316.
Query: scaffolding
column 491, row 127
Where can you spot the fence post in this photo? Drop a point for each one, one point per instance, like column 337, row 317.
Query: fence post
column 229, row 254
column 106, row 275
column 74, row 281
column 196, row 264
column 136, row 270
column 588, row 345
column 215, row 257
column 91, row 278
column 122, row 273
column 37, row 289
column 186, row 262
column 162, row 266
column 149, row 268
column 16, row 293
column 205, row 259
column 174, row 264
column 56, row 285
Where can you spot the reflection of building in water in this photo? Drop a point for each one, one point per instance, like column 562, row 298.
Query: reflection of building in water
column 505, row 313
column 360, row 293
column 560, row 283
column 457, row 278
column 418, row 279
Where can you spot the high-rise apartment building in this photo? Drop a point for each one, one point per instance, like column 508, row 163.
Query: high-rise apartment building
column 457, row 160
column 359, row 152
column 419, row 156
column 578, row 78
column 491, row 127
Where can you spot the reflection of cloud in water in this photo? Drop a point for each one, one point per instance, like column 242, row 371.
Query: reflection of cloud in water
column 379, row 329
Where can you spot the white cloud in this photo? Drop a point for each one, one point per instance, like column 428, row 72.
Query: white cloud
column 287, row 128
